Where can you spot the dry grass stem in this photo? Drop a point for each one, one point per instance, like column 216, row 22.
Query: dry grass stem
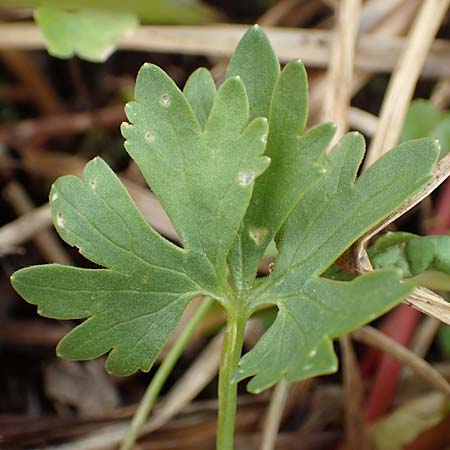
column 377, row 339
column 151, row 209
column 61, row 125
column 440, row 174
column 274, row 415
column 48, row 244
column 362, row 121
column 200, row 373
column 425, row 335
column 374, row 53
column 340, row 71
column 429, row 303
column 392, row 19
column 24, row 228
column 356, row 435
column 441, row 94
column 404, row 79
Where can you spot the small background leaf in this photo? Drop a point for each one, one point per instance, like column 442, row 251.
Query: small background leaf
column 90, row 34
column 424, row 120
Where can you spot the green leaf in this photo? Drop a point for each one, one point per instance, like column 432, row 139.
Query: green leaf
column 420, row 120
column 298, row 344
column 442, row 132
column 142, row 294
column 297, row 164
column 256, row 63
column 203, row 177
column 425, row 260
column 90, row 34
column 425, row 120
column 338, row 210
column 211, row 173
column 328, row 219
column 132, row 317
column 200, row 92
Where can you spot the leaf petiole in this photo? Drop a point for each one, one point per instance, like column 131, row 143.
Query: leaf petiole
column 231, row 353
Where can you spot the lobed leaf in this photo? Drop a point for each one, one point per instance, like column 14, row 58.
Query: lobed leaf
column 298, row 344
column 131, row 316
column 297, row 163
column 210, row 172
column 330, row 217
column 204, row 178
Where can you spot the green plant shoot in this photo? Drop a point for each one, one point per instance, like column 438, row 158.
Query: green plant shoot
column 234, row 169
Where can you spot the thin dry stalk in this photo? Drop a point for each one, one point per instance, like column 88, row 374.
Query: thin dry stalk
column 403, row 81
column 374, row 53
column 193, row 381
column 340, row 70
column 362, row 121
column 355, row 430
column 429, row 303
column 376, row 339
column 45, row 240
column 425, row 335
column 24, row 228
column 279, row 11
column 274, row 415
column 441, row 94
column 393, row 18
column 61, row 125
column 151, row 209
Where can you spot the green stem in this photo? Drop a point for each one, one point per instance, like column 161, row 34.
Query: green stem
column 231, row 353
column 164, row 370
